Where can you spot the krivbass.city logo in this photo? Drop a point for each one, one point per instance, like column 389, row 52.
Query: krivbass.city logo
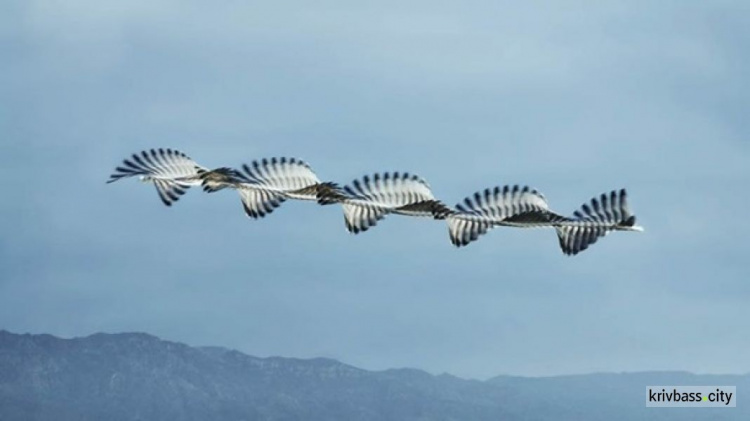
column 691, row 396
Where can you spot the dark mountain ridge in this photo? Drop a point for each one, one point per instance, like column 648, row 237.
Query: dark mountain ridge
column 136, row 376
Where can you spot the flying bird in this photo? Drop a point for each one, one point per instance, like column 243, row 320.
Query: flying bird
column 171, row 171
column 525, row 207
column 607, row 213
column 519, row 206
column 368, row 200
column 263, row 185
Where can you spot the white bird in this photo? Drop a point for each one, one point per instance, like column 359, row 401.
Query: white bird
column 525, row 207
column 265, row 184
column 368, row 200
column 171, row 171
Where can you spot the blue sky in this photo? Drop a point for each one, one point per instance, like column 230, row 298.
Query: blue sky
column 574, row 99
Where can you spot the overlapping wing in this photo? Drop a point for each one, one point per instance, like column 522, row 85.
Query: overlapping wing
column 595, row 219
column 369, row 199
column 259, row 203
column 290, row 176
column 263, row 185
column 519, row 206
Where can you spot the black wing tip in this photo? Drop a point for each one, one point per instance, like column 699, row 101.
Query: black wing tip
column 630, row 222
column 460, row 244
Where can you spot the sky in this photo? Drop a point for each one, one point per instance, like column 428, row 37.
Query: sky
column 572, row 98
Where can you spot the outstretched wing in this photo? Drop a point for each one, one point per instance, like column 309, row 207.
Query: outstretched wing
column 171, row 171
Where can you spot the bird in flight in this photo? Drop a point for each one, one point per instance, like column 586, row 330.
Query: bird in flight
column 369, row 199
column 263, row 185
column 519, row 206
column 171, row 171
column 525, row 207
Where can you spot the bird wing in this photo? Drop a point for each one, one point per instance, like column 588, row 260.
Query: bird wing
column 171, row 171
column 162, row 164
column 595, row 219
column 259, row 203
column 390, row 190
column 369, row 199
column 284, row 175
column 507, row 205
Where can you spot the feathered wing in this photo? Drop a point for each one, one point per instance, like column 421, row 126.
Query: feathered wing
column 171, row 171
column 360, row 217
column 595, row 219
column 575, row 239
column 170, row 191
column 391, row 190
column 465, row 229
column 259, row 203
column 263, row 185
column 368, row 200
column 164, row 164
column 290, row 176
column 519, row 206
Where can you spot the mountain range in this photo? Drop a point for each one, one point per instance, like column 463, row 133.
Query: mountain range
column 136, row 376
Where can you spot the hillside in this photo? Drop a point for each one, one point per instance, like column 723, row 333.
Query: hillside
column 135, row 376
